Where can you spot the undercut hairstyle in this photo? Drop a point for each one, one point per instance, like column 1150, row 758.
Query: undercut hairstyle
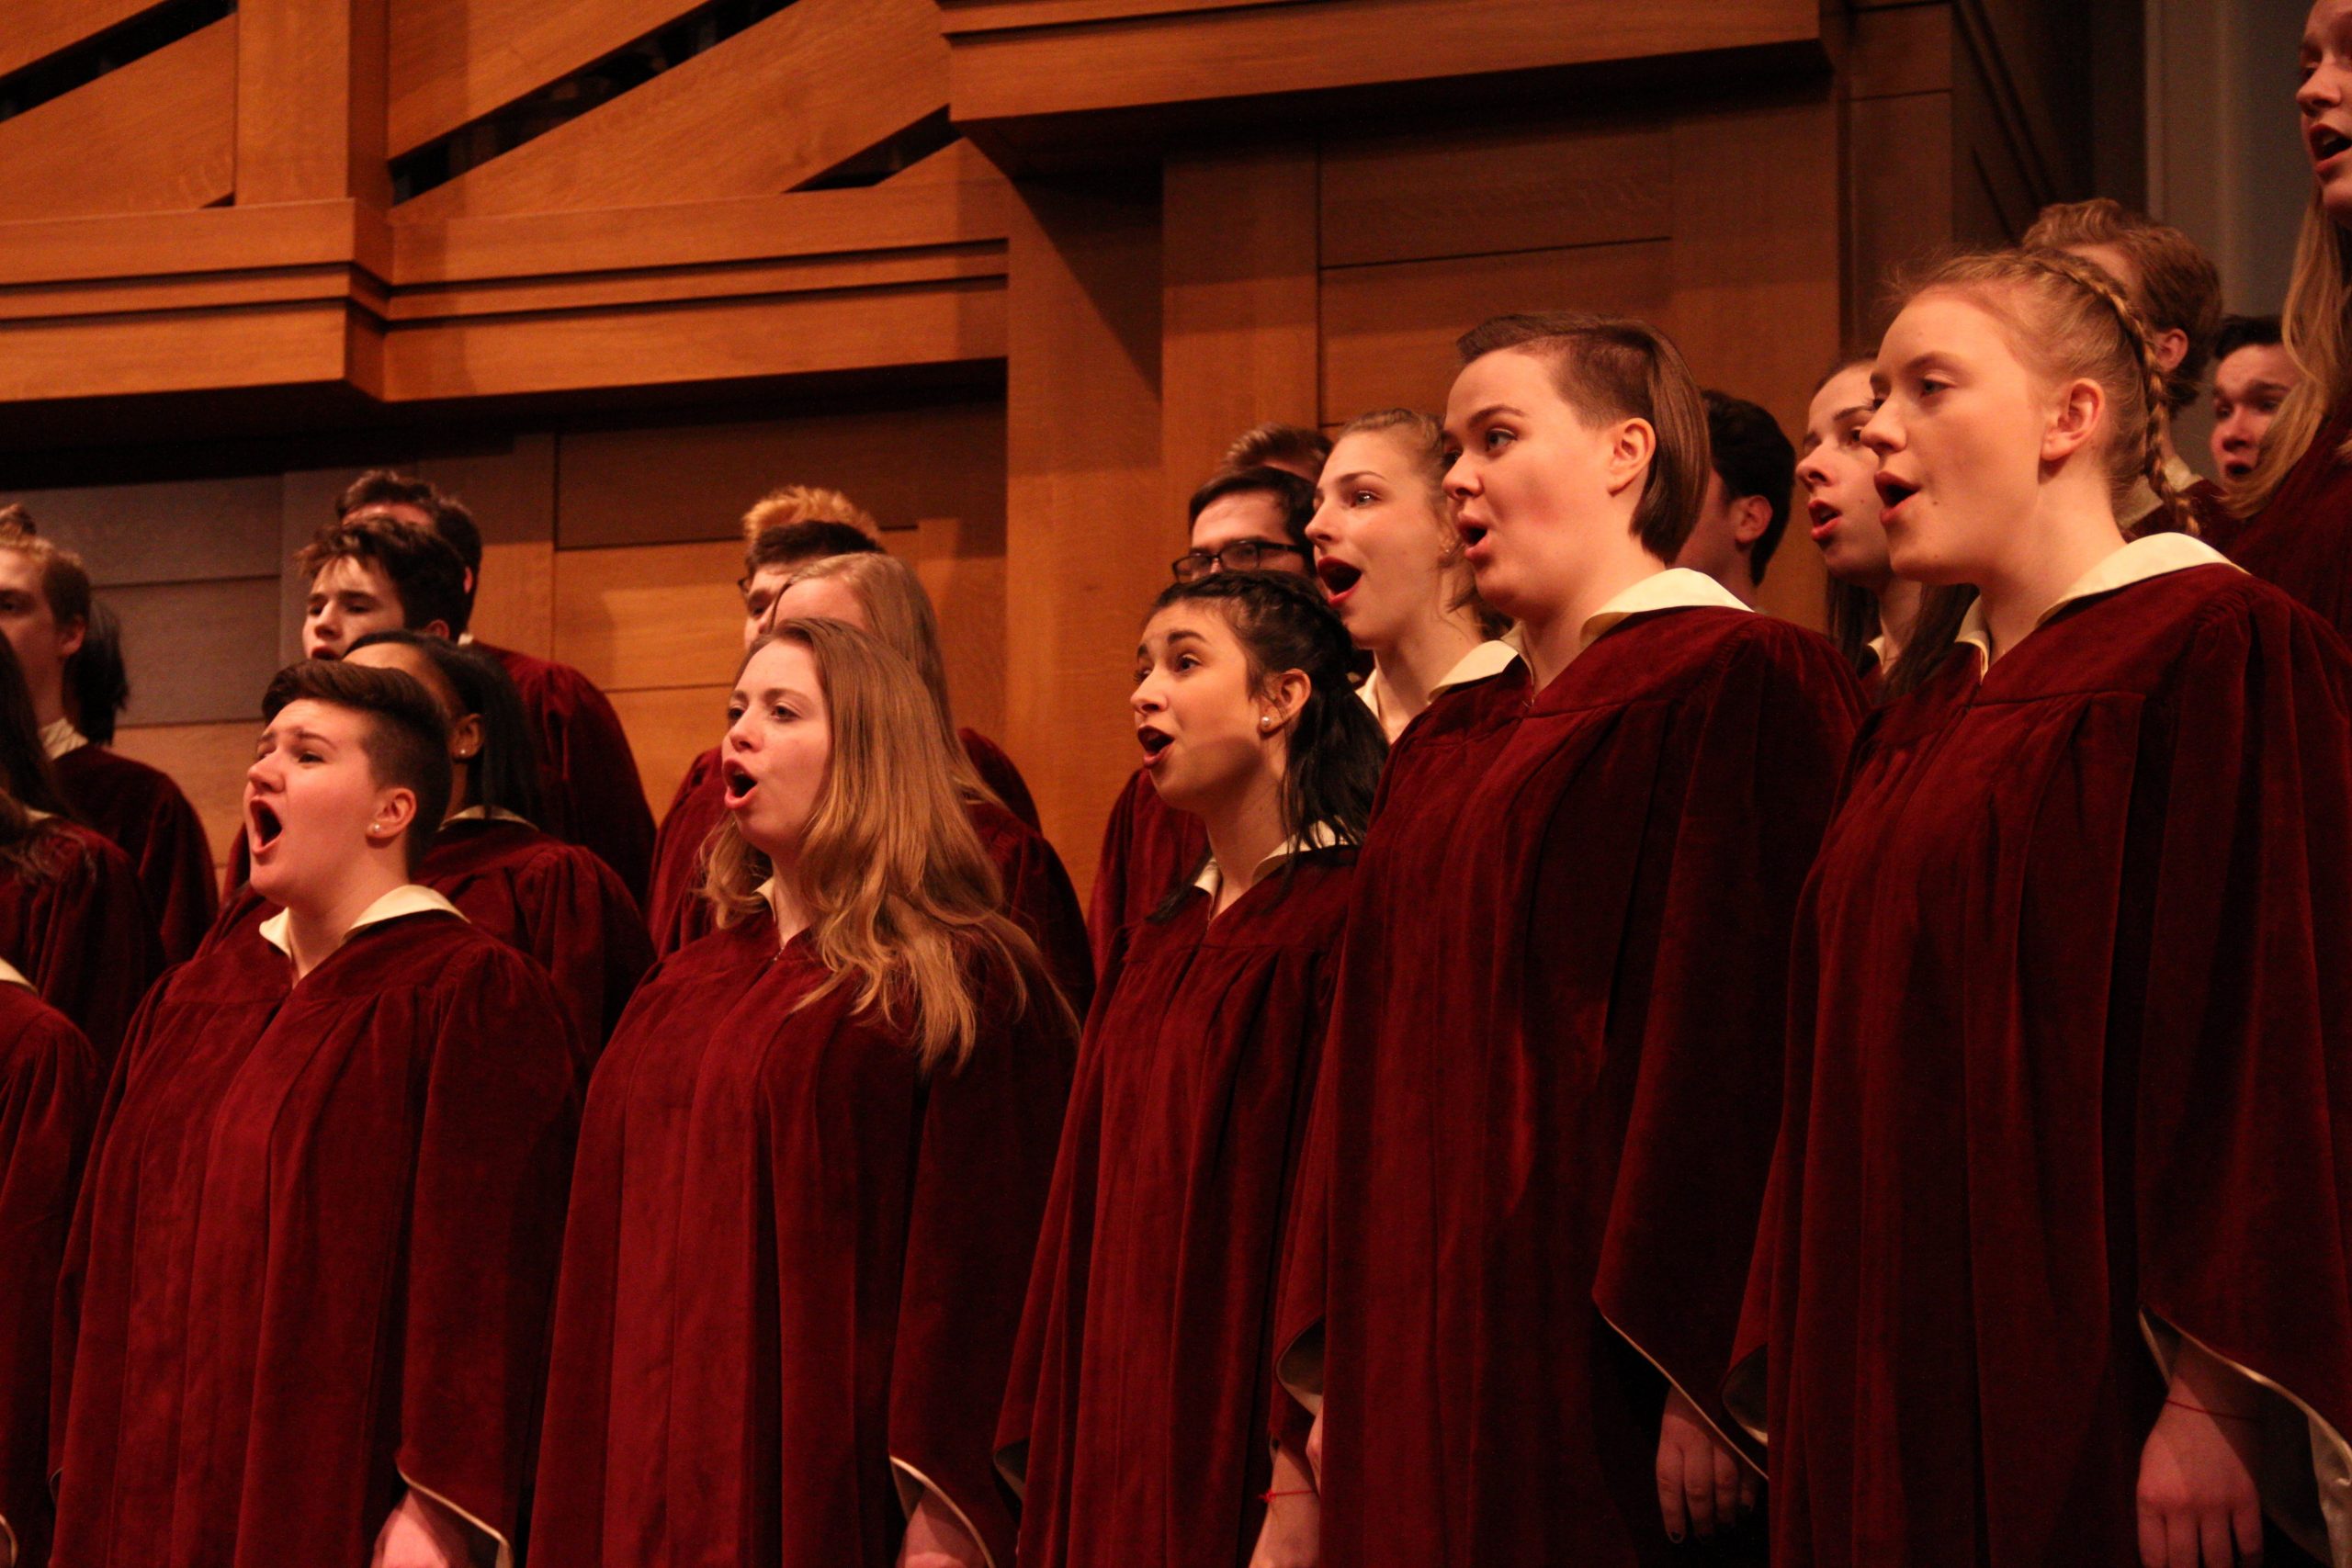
column 2246, row 332
column 28, row 848
column 98, row 685
column 1422, row 439
column 1293, row 499
column 792, row 545
column 1274, row 445
column 404, row 733
column 1613, row 367
column 423, row 569
column 450, row 518
column 505, row 774
column 1336, row 748
column 807, row 504
column 2178, row 288
column 1751, row 455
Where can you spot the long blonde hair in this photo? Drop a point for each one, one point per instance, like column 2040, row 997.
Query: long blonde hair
column 900, row 613
column 2314, row 328
column 902, row 900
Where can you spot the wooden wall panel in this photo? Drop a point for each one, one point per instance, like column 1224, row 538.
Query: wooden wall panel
column 456, row 60
column 208, row 763
column 510, row 489
column 38, row 28
column 198, row 652
column 172, row 531
column 310, row 101
column 1388, row 332
column 668, row 727
column 773, row 106
column 157, row 135
column 648, row 615
column 961, row 562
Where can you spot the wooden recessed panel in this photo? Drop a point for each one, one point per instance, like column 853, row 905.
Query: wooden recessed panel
column 668, row 727
column 961, row 562
column 1388, row 332
column 650, row 614
column 777, row 104
column 198, row 652
column 1406, row 199
column 456, row 60
column 158, row 135
column 182, row 530
column 695, row 482
column 208, row 763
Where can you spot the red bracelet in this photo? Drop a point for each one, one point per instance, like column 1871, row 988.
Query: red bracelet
column 1301, row 1491
column 2216, row 1414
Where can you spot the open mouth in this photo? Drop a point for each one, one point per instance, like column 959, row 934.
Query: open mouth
column 1155, row 743
column 2237, row 467
column 263, row 827
column 2326, row 143
column 1339, row 577
column 1891, row 494
column 1473, row 534
column 739, row 783
column 1822, row 515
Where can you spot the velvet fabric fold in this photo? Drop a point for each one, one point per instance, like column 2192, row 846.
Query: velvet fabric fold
column 793, row 1270
column 2301, row 540
column 49, row 1086
column 1135, row 1416
column 1149, row 850
column 587, row 771
column 146, row 816
column 2072, row 983
column 77, row 926
column 313, row 1261
column 1547, row 1102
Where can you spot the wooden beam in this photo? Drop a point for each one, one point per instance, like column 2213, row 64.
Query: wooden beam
column 40, row 28
column 160, row 134
column 310, row 101
column 777, row 104
column 455, row 60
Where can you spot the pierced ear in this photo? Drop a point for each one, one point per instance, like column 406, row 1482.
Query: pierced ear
column 2075, row 419
column 466, row 737
column 395, row 814
column 1630, row 451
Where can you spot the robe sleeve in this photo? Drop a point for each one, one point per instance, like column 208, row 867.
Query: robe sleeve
column 1107, row 907
column 2243, row 1133
column 1770, row 747
column 98, row 951
column 677, row 848
column 997, row 771
column 48, row 1098
column 991, row 1129
column 501, row 1114
column 176, row 868
column 594, row 798
column 1038, row 894
column 588, row 936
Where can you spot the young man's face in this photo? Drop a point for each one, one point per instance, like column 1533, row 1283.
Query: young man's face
column 349, row 598
column 42, row 646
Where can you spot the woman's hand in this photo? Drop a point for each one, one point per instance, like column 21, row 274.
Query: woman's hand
column 2198, row 1503
column 1701, row 1485
column 421, row 1533
column 935, row 1537
column 1292, row 1536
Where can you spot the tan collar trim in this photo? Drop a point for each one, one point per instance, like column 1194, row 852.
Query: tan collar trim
column 1676, row 588
column 61, row 738
column 489, row 813
column 1486, row 659
column 409, row 898
column 12, row 975
column 2158, row 555
column 1212, row 878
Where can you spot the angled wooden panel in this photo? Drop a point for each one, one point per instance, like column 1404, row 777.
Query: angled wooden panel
column 174, row 531
column 1541, row 187
column 208, row 761
column 777, row 104
column 650, row 614
column 668, row 727
column 456, row 60
column 160, row 134
column 1388, row 332
column 38, row 28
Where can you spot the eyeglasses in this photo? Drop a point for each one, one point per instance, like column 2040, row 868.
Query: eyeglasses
column 1242, row 554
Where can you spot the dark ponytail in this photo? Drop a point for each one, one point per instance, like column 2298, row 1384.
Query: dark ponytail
column 1337, row 747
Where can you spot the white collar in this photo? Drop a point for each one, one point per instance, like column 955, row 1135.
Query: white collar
column 12, row 975
column 409, row 898
column 1320, row 837
column 2157, row 555
column 1486, row 659
column 1877, row 647
column 2140, row 504
column 61, row 738
column 489, row 813
column 1676, row 588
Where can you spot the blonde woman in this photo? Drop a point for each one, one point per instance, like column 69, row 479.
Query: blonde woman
column 813, row 1165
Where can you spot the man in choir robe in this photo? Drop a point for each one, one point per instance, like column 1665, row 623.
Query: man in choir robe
column 2177, row 290
column 1242, row 520
column 2252, row 373
column 1292, row 448
column 305, row 1300
column 594, row 795
column 70, row 650
column 787, row 529
column 1753, row 474
column 49, row 1084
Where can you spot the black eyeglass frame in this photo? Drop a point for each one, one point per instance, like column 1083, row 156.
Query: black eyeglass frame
column 1204, row 562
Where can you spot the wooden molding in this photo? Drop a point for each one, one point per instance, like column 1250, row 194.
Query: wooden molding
column 40, row 28
column 455, row 60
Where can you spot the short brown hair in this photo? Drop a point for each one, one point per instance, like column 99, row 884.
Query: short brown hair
column 426, row 571
column 1274, row 445
column 1292, row 496
column 406, row 738
column 797, row 543
column 1610, row 367
column 451, row 519
column 2178, row 288
column 807, row 504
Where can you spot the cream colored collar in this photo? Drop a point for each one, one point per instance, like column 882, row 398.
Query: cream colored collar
column 2158, row 555
column 12, row 975
column 1212, row 878
column 489, row 813
column 2140, row 504
column 1877, row 647
column 61, row 738
column 1676, row 588
column 409, row 898
column 1486, row 659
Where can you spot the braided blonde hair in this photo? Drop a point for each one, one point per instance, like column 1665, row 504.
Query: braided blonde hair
column 2068, row 319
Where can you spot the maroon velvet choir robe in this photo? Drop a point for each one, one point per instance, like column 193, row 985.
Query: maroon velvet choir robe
column 1137, row 1414
column 2301, row 540
column 586, row 770
column 49, row 1084
column 1547, row 1102
column 793, row 1270
column 674, row 908
column 1149, row 850
column 2072, row 981
column 556, row 901
column 2209, row 508
column 78, row 928
column 313, row 1257
column 143, row 812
